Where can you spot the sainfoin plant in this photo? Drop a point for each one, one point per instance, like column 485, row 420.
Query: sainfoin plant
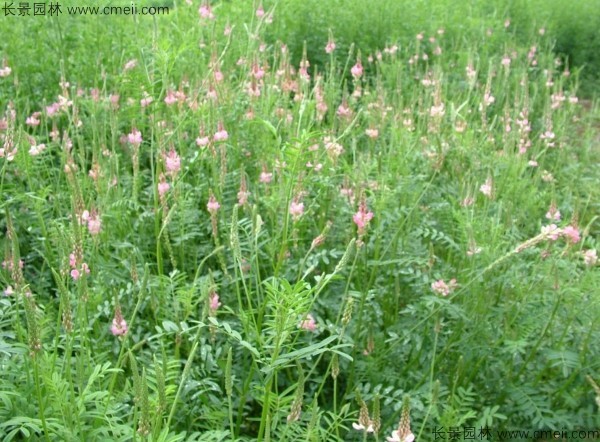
column 212, row 238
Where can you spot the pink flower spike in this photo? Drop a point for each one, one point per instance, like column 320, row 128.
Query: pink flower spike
column 214, row 303
column 119, row 325
column 94, row 223
column 172, row 162
column 266, row 177
column 8, row 291
column 135, row 138
column 572, row 234
column 309, row 323
column 551, row 232
column 590, row 257
column 221, row 134
column 362, row 218
column 357, row 70
column 441, row 288
column 296, row 209
column 213, row 205
column 75, row 274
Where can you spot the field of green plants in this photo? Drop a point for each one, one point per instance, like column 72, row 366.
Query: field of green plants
column 300, row 221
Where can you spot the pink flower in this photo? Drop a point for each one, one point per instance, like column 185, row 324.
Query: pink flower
column 260, row 12
column 119, row 325
column 296, row 209
column 214, row 303
column 362, row 218
column 553, row 213
column 266, row 177
column 330, row 46
column 552, row 232
column 357, row 70
column 135, row 138
column 75, row 274
column 589, row 257
column 372, row 133
column 221, row 134
column 308, row 323
column 205, row 12
column 243, row 197
column 172, row 162
column 130, row 65
column 572, row 234
column 94, row 223
column 441, row 288
column 163, row 186
column 213, row 205
column 361, row 427
column 486, row 188
column 5, row 71
column 8, row 291
column 202, row 141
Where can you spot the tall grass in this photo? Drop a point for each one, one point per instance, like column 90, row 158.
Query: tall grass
column 210, row 235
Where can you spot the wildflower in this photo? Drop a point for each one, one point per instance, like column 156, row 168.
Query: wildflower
column 135, row 138
column 553, row 213
column 364, row 421
column 213, row 205
column 357, row 70
column 372, row 133
column 75, row 274
column 5, row 71
column 213, row 303
column 260, row 12
column 589, row 257
column 572, row 234
column 8, row 291
column 94, row 223
column 119, row 325
column 163, row 187
column 265, row 177
column 486, row 188
column 551, row 232
column 130, row 65
column 205, row 12
column 440, row 287
column 330, row 46
column 403, row 433
column 172, row 162
column 362, row 217
column 221, row 134
column 308, row 323
column 296, row 209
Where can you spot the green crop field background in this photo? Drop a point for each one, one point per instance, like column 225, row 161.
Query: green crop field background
column 299, row 220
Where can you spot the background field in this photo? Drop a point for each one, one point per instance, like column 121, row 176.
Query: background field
column 216, row 229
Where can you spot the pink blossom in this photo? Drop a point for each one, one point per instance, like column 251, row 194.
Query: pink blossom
column 75, row 274
column 441, row 288
column 119, row 325
column 357, row 70
column 172, row 162
column 330, row 46
column 309, row 323
column 243, row 197
column 572, row 234
column 372, row 133
column 552, row 232
column 205, row 12
column 553, row 213
column 590, row 257
column 260, row 12
column 94, row 223
column 130, row 65
column 361, row 427
column 221, row 134
column 486, row 188
column 202, row 141
column 214, row 303
column 5, row 71
column 135, row 138
column 296, row 209
column 8, row 291
column 163, row 186
column 265, row 177
column 362, row 218
column 213, row 205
